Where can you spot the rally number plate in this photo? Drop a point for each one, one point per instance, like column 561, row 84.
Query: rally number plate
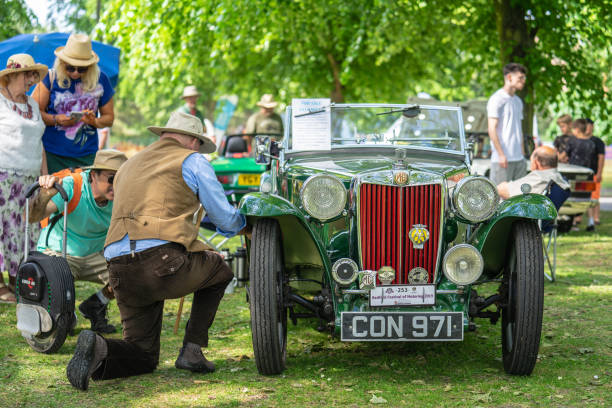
column 403, row 295
column 248, row 179
column 402, row 326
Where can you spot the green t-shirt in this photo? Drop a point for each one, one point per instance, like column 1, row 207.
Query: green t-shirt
column 87, row 224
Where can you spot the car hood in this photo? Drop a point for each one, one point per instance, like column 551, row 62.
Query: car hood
column 352, row 165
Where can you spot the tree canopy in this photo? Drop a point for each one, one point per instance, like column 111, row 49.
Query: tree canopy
column 16, row 18
column 361, row 50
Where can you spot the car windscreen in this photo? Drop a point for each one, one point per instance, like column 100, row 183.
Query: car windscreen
column 419, row 127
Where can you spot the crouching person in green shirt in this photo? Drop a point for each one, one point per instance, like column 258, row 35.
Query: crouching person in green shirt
column 88, row 221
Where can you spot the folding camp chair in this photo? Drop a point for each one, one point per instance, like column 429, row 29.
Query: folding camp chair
column 549, row 228
column 208, row 225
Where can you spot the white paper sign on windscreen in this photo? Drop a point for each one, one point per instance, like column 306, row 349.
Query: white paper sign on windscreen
column 311, row 124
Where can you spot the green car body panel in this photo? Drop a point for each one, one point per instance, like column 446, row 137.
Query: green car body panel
column 311, row 246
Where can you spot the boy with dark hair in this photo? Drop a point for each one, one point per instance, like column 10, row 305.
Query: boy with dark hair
column 565, row 127
column 601, row 159
column 505, row 113
column 582, row 151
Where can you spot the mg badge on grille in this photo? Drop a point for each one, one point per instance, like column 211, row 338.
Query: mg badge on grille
column 418, row 275
column 400, row 178
column 386, row 274
column 367, row 280
column 419, row 234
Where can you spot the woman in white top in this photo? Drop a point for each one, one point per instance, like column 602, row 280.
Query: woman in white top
column 21, row 160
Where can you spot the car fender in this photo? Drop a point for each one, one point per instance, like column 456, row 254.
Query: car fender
column 302, row 247
column 492, row 237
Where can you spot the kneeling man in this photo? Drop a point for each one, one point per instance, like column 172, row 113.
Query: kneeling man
column 543, row 170
column 154, row 254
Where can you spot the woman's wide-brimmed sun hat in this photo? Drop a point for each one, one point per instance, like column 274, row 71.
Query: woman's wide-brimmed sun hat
column 77, row 51
column 23, row 63
column 185, row 124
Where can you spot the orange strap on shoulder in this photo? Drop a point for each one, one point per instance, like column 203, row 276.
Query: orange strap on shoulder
column 76, row 194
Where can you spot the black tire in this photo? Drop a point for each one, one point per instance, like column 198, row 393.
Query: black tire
column 51, row 342
column 267, row 285
column 524, row 288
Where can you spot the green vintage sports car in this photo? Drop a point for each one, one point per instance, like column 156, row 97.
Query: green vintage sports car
column 236, row 169
column 382, row 233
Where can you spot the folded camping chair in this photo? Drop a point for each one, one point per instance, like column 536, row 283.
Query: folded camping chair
column 549, row 228
column 208, row 225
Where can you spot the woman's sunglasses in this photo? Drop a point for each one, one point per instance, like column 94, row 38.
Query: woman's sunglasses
column 80, row 70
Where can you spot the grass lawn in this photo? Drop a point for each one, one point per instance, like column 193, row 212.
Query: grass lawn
column 574, row 368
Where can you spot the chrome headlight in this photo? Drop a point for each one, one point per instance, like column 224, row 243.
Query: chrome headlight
column 323, row 196
column 463, row 264
column 475, row 198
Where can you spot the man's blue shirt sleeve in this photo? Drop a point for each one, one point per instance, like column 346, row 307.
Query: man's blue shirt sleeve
column 201, row 179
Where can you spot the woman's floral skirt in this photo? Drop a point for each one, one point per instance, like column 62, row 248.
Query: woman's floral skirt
column 13, row 186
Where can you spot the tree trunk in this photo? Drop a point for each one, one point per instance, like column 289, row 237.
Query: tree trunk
column 337, row 94
column 516, row 40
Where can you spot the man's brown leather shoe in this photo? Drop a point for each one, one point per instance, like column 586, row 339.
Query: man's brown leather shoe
column 191, row 358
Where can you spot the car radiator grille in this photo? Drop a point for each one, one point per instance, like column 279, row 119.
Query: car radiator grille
column 386, row 215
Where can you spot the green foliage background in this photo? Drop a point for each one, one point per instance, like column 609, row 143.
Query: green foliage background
column 351, row 50
column 15, row 18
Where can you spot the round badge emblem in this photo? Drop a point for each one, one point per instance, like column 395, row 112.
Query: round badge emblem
column 418, row 275
column 400, row 178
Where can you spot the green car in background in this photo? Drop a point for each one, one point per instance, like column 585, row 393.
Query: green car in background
column 236, row 169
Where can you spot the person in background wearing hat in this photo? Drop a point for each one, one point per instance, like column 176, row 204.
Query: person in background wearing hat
column 190, row 96
column 153, row 254
column 75, row 99
column 87, row 228
column 21, row 159
column 266, row 121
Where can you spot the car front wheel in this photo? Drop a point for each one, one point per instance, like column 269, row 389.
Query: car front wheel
column 524, row 287
column 268, row 311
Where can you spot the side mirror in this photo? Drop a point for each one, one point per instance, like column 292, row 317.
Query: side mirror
column 470, row 149
column 262, row 152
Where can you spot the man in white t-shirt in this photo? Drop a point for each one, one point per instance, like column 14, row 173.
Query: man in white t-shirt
column 543, row 171
column 505, row 112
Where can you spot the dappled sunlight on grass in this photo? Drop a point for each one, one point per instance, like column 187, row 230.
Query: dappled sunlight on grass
column 321, row 370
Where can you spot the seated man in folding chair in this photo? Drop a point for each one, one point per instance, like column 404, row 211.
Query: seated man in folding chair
column 545, row 179
column 543, row 171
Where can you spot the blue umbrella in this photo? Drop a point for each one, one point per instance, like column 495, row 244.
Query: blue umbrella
column 41, row 47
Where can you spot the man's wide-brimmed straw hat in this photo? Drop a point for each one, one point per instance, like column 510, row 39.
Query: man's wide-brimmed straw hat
column 185, row 124
column 108, row 159
column 190, row 91
column 267, row 101
column 23, row 63
column 77, row 51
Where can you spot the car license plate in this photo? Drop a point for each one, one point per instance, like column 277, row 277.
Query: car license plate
column 248, row 179
column 401, row 326
column 403, row 295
